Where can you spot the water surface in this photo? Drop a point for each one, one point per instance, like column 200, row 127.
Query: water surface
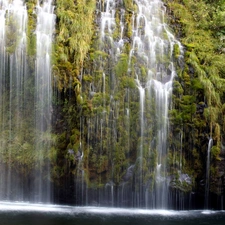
column 39, row 214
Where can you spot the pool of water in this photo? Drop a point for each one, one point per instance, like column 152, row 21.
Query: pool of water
column 39, row 214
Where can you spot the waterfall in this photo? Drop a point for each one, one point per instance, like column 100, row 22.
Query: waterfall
column 43, row 95
column 102, row 125
column 13, row 74
column 130, row 92
column 207, row 180
column 25, row 102
column 122, row 153
column 152, row 43
column 140, row 177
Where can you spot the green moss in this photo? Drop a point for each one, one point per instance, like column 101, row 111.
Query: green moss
column 73, row 36
column 31, row 26
column 129, row 5
column 122, row 66
column 127, row 82
column 215, row 152
column 176, row 51
column 177, row 88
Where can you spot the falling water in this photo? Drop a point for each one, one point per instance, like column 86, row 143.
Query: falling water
column 25, row 100
column 207, row 180
column 152, row 43
column 102, row 125
column 13, row 25
column 43, row 95
column 133, row 147
column 140, row 158
column 107, row 19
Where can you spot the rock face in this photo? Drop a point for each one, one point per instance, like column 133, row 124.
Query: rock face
column 182, row 183
column 219, row 180
column 132, row 108
column 129, row 173
column 121, row 162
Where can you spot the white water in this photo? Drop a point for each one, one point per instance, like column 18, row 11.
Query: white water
column 207, row 179
column 65, row 209
column 152, row 44
column 102, row 137
column 25, row 102
column 43, row 84
column 140, row 159
column 26, row 214
column 123, row 120
column 13, row 24
column 107, row 19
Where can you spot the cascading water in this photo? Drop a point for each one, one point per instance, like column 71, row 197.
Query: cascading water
column 207, row 180
column 13, row 73
column 123, row 156
column 25, row 102
column 129, row 160
column 145, row 70
column 152, row 44
column 43, row 95
column 102, row 127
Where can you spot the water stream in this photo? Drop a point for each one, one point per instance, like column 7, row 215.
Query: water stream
column 207, row 179
column 152, row 44
column 124, row 141
column 149, row 65
column 13, row 74
column 43, row 96
column 25, row 102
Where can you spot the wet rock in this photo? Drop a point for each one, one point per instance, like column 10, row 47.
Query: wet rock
column 182, row 183
column 77, row 155
column 129, row 173
column 71, row 151
column 200, row 107
column 185, row 178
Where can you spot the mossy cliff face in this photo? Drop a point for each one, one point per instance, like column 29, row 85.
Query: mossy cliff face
column 94, row 96
column 19, row 135
column 95, row 135
column 93, row 109
column 199, row 89
column 16, row 112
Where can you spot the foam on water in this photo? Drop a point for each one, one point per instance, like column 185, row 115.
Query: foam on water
column 64, row 209
column 24, row 206
column 208, row 212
